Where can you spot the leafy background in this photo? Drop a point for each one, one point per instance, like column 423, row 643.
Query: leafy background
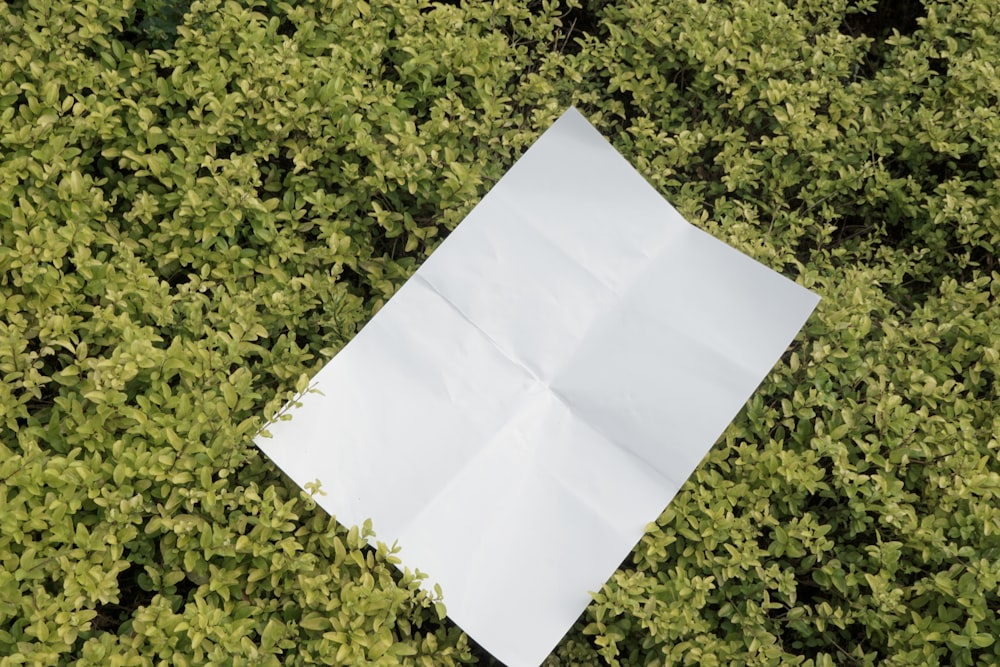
column 202, row 202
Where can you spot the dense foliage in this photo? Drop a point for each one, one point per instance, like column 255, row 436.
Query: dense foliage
column 200, row 204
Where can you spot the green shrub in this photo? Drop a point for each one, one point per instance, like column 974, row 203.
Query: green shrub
column 192, row 221
column 850, row 515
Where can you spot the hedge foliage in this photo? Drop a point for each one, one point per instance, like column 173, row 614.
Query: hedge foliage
column 202, row 203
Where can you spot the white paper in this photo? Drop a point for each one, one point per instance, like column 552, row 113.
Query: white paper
column 539, row 390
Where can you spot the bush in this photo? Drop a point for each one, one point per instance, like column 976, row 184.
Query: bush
column 195, row 219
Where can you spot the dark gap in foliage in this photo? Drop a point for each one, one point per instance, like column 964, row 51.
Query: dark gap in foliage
column 808, row 592
column 889, row 15
column 88, row 51
column 681, row 76
column 389, row 248
column 899, row 15
column 898, row 231
column 162, row 72
column 890, row 225
column 938, row 65
column 845, row 641
column 110, row 616
column 804, row 251
column 910, row 292
column 154, row 24
column 40, row 405
column 984, row 260
column 224, row 151
column 982, row 389
column 357, row 283
column 302, row 339
column 184, row 588
column 131, row 36
column 981, row 261
column 627, row 100
column 131, row 595
column 286, row 27
column 388, row 61
column 943, row 167
column 30, row 536
column 51, row 586
column 578, row 23
column 853, row 226
column 825, row 504
column 440, row 3
column 173, row 274
column 20, row 101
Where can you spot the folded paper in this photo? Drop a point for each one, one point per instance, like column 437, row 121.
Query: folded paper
column 539, row 390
